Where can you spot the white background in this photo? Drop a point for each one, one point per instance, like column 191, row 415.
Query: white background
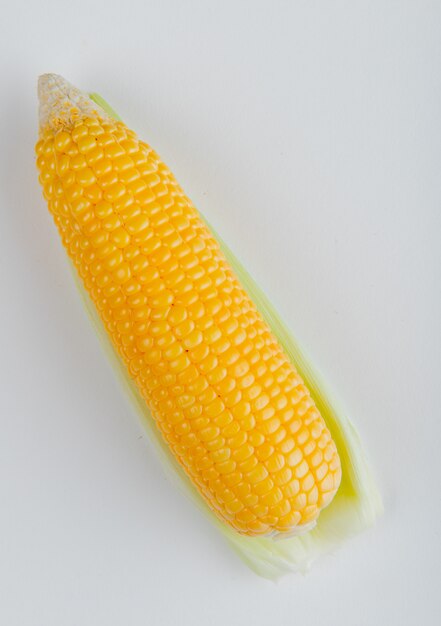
column 309, row 134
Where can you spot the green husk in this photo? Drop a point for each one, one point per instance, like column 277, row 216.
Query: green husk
column 99, row 100
column 357, row 502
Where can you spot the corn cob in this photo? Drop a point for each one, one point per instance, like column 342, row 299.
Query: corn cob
column 225, row 396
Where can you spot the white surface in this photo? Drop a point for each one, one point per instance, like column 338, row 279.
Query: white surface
column 309, row 134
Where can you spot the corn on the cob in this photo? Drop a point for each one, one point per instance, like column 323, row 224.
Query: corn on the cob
column 223, row 393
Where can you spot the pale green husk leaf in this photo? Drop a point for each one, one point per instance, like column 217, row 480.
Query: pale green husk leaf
column 357, row 502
